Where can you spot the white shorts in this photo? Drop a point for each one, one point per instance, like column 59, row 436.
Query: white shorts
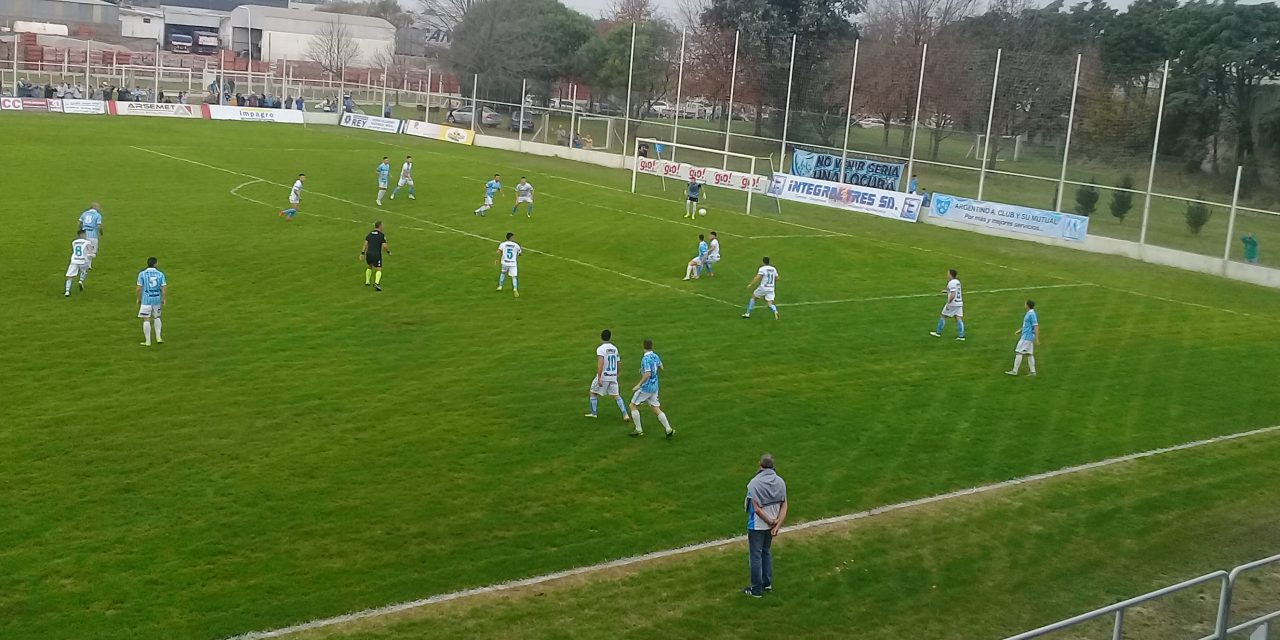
column 488, row 201
column 509, row 269
column 608, row 388
column 696, row 261
column 953, row 310
column 149, row 311
column 643, row 397
column 1025, row 347
column 382, row 184
column 74, row 269
column 712, row 259
column 404, row 181
column 294, row 201
column 528, row 199
column 761, row 292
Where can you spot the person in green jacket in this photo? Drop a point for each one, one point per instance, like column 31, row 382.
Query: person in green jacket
column 1250, row 248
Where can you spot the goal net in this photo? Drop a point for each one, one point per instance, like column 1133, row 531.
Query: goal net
column 731, row 181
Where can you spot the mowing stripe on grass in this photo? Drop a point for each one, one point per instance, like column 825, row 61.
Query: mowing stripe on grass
column 930, row 295
column 667, row 553
column 437, row 224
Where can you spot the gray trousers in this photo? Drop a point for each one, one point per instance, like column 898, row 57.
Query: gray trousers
column 761, row 560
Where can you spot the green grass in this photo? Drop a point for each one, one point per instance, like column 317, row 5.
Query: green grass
column 302, row 447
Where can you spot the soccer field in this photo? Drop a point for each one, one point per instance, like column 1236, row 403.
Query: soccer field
column 302, row 446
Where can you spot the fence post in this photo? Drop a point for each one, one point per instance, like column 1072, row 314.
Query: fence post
column 426, row 112
column 1155, row 148
column 1066, row 146
column 991, row 112
column 1117, row 630
column 384, row 91
column 524, row 90
column 156, row 96
column 848, row 113
column 15, row 65
column 626, row 114
column 1231, row 220
column 88, row 82
column 733, row 86
column 915, row 123
column 475, row 98
column 786, row 115
column 675, row 115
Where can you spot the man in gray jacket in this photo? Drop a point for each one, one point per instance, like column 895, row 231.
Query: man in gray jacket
column 766, row 506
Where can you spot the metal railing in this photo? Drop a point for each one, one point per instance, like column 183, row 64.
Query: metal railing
column 1259, row 626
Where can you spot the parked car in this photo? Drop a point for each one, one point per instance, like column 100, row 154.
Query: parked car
column 462, row 115
column 661, row 108
column 521, row 121
column 606, row 108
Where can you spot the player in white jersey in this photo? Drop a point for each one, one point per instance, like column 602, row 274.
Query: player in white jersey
column 79, row 266
column 508, row 253
column 954, row 308
column 91, row 224
column 605, row 383
column 295, row 198
column 524, row 193
column 713, row 256
column 766, row 278
column 406, row 178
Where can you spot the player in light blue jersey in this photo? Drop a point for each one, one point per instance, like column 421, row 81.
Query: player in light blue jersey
column 406, row 178
column 91, row 225
column 384, row 178
column 694, row 268
column 646, row 391
column 295, row 198
column 1028, row 338
column 693, row 193
column 524, row 193
column 491, row 188
column 153, row 292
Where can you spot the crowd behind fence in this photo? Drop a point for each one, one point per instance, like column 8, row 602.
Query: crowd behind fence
column 976, row 124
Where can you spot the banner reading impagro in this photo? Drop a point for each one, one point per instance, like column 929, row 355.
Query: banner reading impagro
column 373, row 123
column 716, row 177
column 856, row 171
column 1009, row 217
column 438, row 132
column 877, row 202
column 254, row 114
column 90, row 107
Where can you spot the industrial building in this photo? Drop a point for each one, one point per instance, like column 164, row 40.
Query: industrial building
column 273, row 33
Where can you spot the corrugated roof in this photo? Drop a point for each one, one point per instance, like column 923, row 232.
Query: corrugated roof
column 305, row 15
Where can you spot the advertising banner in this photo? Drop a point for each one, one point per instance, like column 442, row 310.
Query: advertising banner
column 876, row 202
column 715, row 177
column 35, row 104
column 11, row 104
column 254, row 114
column 158, row 110
column 1009, row 217
column 92, row 107
column 856, row 171
column 373, row 123
column 439, row 132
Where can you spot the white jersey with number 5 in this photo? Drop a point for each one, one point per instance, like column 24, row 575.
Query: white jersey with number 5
column 610, row 355
column 509, row 251
column 768, row 277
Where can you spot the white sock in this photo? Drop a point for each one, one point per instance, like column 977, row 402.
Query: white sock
column 68, row 289
column 1031, row 362
column 146, row 330
column 157, row 323
column 1017, row 363
column 381, row 192
column 662, row 418
column 635, row 419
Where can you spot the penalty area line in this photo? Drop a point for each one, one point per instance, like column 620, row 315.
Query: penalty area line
column 712, row 544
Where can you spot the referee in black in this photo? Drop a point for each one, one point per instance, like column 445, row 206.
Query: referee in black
column 374, row 244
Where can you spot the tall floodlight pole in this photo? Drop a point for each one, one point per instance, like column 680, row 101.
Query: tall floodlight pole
column 786, row 114
column 1155, row 148
column 733, row 85
column 1066, row 145
column 1231, row 219
column 88, row 82
column 384, row 90
column 848, row 113
column 426, row 111
column 475, row 98
column 156, row 96
column 524, row 90
column 991, row 112
column 915, row 124
column 675, row 116
column 631, row 68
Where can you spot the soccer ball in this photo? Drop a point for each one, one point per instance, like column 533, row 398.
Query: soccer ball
column 702, row 212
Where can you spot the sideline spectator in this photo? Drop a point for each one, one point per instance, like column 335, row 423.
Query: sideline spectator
column 386, row 111
column 913, row 184
column 766, row 506
column 298, row 103
column 1250, row 248
column 562, row 136
column 288, row 101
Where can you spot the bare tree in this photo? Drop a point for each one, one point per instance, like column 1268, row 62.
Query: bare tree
column 333, row 48
column 913, row 22
column 443, row 15
column 629, row 11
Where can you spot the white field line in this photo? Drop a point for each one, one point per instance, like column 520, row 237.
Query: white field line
column 235, row 191
column 440, row 226
column 807, row 235
column 712, row 544
column 938, row 294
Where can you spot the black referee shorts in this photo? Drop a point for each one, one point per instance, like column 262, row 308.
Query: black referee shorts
column 373, row 260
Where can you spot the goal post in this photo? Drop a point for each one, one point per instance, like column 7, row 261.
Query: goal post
column 606, row 136
column 647, row 158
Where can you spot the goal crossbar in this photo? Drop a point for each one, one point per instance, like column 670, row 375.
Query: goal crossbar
column 653, row 144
